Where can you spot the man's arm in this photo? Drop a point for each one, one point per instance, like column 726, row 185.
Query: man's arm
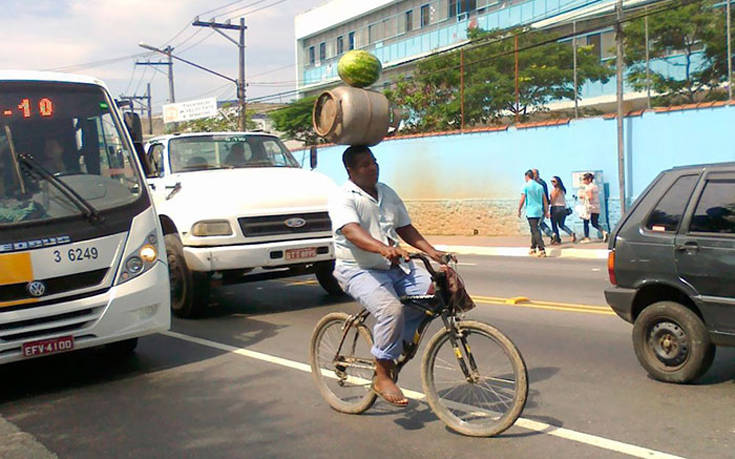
column 411, row 235
column 363, row 240
column 520, row 204
column 546, row 207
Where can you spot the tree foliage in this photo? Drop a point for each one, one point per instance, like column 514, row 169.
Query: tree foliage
column 696, row 32
column 294, row 121
column 431, row 97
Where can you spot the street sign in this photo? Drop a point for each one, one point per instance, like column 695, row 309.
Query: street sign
column 190, row 110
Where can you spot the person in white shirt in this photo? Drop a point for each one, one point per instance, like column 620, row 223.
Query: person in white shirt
column 591, row 195
column 368, row 217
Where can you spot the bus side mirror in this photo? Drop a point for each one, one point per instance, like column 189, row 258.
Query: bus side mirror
column 312, row 156
column 135, row 128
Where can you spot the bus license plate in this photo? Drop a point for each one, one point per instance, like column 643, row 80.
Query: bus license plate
column 48, row 346
column 298, row 254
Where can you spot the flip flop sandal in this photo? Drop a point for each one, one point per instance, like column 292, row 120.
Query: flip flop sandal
column 384, row 396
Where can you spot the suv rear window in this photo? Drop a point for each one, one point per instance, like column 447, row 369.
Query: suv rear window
column 667, row 214
column 715, row 212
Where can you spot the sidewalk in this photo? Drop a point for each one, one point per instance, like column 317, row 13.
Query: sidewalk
column 516, row 246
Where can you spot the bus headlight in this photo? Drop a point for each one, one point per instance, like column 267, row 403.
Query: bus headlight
column 140, row 260
column 211, row 228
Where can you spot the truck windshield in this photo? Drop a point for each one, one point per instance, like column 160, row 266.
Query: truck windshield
column 228, row 151
column 67, row 132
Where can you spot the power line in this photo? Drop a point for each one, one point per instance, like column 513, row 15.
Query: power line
column 242, row 13
column 96, row 63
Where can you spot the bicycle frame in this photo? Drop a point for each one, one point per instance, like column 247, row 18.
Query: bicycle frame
column 433, row 306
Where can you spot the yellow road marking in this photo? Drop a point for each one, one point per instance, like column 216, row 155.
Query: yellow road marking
column 306, row 282
column 15, row 268
column 548, row 305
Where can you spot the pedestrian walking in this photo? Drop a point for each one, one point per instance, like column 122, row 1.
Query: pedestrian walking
column 537, row 206
column 542, row 224
column 591, row 200
column 559, row 210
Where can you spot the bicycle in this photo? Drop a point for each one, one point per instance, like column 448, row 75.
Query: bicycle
column 464, row 399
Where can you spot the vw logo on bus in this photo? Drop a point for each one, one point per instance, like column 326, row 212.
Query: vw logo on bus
column 36, row 288
column 295, row 222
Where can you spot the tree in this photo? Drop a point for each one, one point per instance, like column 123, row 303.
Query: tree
column 431, row 97
column 294, row 121
column 225, row 120
column 695, row 31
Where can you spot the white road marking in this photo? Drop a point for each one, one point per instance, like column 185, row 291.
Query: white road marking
column 536, row 426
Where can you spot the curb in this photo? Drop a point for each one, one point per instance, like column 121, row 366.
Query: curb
column 589, row 254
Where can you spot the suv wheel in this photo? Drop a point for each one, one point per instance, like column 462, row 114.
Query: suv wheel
column 326, row 279
column 189, row 289
column 672, row 343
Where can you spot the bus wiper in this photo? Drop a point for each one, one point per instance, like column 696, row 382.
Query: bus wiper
column 14, row 160
column 84, row 206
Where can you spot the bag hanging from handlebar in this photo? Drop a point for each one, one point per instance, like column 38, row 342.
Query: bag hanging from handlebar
column 458, row 296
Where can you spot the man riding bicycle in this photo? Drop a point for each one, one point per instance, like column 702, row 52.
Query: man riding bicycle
column 368, row 217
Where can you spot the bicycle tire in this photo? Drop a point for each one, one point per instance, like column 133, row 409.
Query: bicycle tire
column 487, row 423
column 355, row 395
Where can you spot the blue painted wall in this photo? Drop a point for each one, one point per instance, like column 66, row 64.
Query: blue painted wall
column 490, row 165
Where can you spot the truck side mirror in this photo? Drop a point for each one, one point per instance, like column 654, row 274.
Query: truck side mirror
column 312, row 156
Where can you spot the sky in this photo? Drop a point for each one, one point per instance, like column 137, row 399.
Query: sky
column 100, row 38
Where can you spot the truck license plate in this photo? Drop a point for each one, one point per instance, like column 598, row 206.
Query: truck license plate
column 48, row 346
column 297, row 254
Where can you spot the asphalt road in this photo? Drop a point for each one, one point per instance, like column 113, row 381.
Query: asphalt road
column 175, row 397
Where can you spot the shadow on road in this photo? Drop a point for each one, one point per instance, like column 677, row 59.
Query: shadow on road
column 722, row 369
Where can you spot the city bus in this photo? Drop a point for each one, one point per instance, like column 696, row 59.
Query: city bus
column 82, row 260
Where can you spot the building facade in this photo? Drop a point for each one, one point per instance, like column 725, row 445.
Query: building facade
column 400, row 32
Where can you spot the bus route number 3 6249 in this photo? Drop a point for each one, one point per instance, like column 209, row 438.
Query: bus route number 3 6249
column 76, row 254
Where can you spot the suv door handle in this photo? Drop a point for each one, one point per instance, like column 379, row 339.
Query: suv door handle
column 690, row 246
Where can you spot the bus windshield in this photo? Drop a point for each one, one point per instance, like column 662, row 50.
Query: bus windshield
column 227, row 152
column 62, row 152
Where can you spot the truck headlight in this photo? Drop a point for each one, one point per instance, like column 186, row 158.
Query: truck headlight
column 211, row 228
column 140, row 260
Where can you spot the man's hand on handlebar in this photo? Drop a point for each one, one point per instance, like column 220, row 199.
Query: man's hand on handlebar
column 394, row 254
column 442, row 258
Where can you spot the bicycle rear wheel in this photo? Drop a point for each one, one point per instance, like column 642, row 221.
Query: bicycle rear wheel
column 492, row 398
column 344, row 380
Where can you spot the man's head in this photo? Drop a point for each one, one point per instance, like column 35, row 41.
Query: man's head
column 53, row 154
column 529, row 175
column 237, row 149
column 361, row 166
column 535, row 174
column 588, row 177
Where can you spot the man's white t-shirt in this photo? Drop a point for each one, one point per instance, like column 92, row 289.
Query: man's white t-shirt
column 380, row 218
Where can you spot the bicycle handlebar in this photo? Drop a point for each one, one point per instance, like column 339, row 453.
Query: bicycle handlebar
column 445, row 259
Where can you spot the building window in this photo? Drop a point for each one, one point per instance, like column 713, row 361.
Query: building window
column 409, row 21
column 351, row 40
column 322, row 52
column 425, row 15
column 461, row 8
column 340, row 45
column 371, row 33
column 595, row 42
column 311, row 55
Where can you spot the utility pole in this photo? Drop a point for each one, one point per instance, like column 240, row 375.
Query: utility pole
column 648, row 61
column 574, row 59
column 150, row 109
column 133, row 99
column 216, row 26
column 167, row 51
column 619, row 65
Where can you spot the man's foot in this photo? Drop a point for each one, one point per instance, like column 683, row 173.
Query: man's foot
column 574, row 238
column 532, row 252
column 605, row 236
column 585, row 240
column 384, row 386
column 541, row 253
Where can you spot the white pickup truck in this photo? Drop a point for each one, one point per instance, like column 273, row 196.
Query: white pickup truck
column 232, row 202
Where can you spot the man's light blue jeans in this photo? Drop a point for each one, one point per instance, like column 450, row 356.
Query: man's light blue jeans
column 378, row 290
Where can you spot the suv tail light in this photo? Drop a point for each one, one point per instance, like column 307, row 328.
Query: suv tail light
column 611, row 267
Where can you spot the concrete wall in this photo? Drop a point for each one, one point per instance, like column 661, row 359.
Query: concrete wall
column 470, row 183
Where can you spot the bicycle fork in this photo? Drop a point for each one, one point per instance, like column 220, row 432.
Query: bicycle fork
column 462, row 350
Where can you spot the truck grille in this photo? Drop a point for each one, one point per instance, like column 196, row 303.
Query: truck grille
column 273, row 225
column 54, row 285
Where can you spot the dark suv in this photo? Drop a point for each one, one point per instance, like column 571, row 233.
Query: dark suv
column 672, row 264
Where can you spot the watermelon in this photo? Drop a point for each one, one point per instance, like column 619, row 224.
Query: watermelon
column 359, row 68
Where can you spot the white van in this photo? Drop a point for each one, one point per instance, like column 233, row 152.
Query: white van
column 81, row 249
column 232, row 202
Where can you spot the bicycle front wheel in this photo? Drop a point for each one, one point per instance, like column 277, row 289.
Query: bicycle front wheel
column 491, row 397
column 345, row 378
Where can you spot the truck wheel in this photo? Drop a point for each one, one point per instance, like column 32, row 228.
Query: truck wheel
column 326, row 279
column 189, row 290
column 672, row 343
